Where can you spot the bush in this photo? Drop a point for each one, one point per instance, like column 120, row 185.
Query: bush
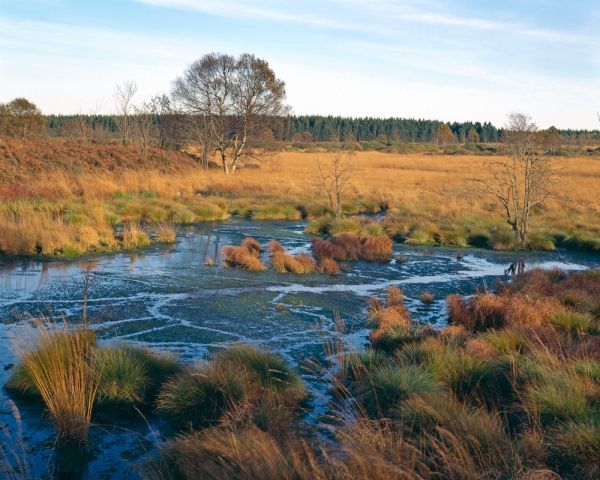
column 242, row 257
column 271, row 371
column 506, row 341
column 60, row 371
column 252, row 245
column 427, row 298
column 352, row 246
column 282, row 262
column 328, row 266
column 131, row 375
column 201, row 396
column 123, row 377
column 575, row 449
column 357, row 365
column 246, row 454
column 392, row 338
column 572, row 323
column 558, row 397
column 376, row 248
column 388, row 386
column 487, row 311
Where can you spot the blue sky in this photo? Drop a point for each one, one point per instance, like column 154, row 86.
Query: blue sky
column 443, row 59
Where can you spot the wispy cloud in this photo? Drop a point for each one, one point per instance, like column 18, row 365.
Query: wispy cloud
column 419, row 12
column 391, row 57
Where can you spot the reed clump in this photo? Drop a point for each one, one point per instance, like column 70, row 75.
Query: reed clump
column 59, row 368
column 329, row 266
column 166, row 232
column 240, row 383
column 352, row 247
column 124, row 376
column 391, row 322
column 246, row 256
column 283, row 262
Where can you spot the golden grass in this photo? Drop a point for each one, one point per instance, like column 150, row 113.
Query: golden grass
column 283, row 262
column 329, row 266
column 394, row 315
column 484, row 311
column 166, row 232
column 428, row 197
column 246, row 256
column 59, row 365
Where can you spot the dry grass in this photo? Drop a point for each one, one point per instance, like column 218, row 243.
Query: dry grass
column 166, row 232
column 484, row 311
column 49, row 193
column 393, row 317
column 252, row 245
column 283, row 262
column 352, row 246
column 329, row 266
column 427, row 298
column 59, row 365
column 246, row 256
column 376, row 248
column 134, row 236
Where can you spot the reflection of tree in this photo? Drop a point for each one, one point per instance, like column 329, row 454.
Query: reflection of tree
column 208, row 258
column 87, row 270
column 515, row 268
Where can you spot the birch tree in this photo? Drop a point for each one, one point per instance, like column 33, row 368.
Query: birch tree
column 232, row 98
column 522, row 181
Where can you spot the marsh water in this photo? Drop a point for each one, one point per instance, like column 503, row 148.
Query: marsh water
column 172, row 299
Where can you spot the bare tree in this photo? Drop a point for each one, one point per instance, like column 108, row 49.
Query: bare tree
column 523, row 180
column 85, row 123
column 145, row 125
column 125, row 118
column 333, row 179
column 232, row 99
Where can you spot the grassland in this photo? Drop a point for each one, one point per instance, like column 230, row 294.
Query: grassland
column 59, row 197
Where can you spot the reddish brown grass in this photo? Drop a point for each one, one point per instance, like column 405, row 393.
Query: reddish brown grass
column 283, row 262
column 299, row 264
column 329, row 266
column 252, row 245
column 427, row 298
column 480, row 349
column 350, row 243
column 351, row 246
column 326, row 249
column 274, row 246
column 393, row 315
column 395, row 296
column 376, row 248
column 243, row 258
column 484, row 311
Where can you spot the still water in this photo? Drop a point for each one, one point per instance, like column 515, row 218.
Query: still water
column 169, row 299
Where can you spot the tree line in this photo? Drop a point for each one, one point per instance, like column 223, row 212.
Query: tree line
column 231, row 106
column 320, row 128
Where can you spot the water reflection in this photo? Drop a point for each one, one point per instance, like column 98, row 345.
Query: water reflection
column 515, row 268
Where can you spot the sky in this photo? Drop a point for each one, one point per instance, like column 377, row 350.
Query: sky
column 451, row 60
